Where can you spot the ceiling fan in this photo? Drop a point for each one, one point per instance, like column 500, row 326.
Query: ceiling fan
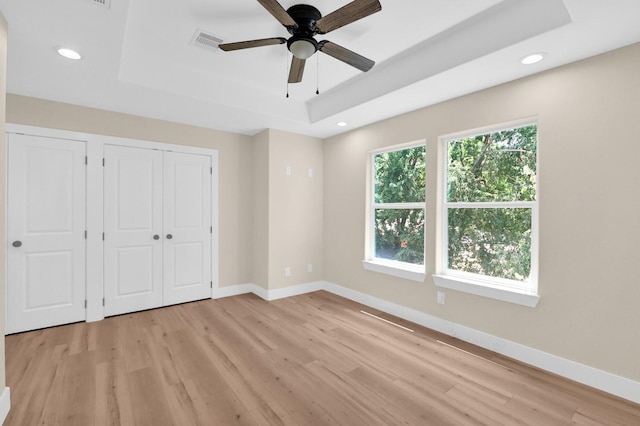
column 304, row 22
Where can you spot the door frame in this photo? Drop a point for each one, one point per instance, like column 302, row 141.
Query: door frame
column 94, row 198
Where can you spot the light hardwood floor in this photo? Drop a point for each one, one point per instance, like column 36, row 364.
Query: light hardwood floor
column 311, row 360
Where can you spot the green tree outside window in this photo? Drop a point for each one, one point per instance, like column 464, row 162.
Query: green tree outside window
column 399, row 197
column 490, row 196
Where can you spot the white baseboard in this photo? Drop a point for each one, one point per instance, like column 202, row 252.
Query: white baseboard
column 265, row 294
column 233, row 290
column 295, row 290
column 602, row 380
column 5, row 405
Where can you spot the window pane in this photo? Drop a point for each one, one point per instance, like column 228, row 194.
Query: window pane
column 399, row 176
column 493, row 242
column 498, row 166
column 399, row 235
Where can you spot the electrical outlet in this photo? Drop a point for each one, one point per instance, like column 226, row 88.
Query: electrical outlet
column 440, row 297
column 310, row 173
column 309, row 267
column 287, row 171
column 287, row 272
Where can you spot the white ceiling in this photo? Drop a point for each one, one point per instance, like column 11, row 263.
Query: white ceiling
column 137, row 56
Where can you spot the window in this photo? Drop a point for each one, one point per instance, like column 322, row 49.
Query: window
column 489, row 217
column 397, row 211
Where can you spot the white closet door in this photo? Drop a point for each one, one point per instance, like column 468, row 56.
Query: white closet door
column 133, row 229
column 46, row 232
column 187, row 224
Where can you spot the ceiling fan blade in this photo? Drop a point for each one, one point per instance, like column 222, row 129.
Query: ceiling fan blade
column 252, row 43
column 278, row 12
column 347, row 14
column 345, row 55
column 297, row 69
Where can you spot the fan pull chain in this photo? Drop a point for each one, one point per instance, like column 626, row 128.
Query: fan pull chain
column 286, row 69
column 317, row 73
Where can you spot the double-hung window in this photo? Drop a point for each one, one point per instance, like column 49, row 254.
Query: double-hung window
column 397, row 212
column 489, row 217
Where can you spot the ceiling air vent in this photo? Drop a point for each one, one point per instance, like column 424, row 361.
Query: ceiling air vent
column 104, row 3
column 206, row 40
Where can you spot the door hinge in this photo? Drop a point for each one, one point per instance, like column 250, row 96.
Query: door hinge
column 103, row 162
column 211, row 170
column 211, row 229
column 86, row 160
column 103, row 301
column 211, row 284
column 85, row 303
column 85, row 234
column 103, row 236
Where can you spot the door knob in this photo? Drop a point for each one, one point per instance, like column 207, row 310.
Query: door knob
column 17, row 243
column 169, row 236
column 156, row 237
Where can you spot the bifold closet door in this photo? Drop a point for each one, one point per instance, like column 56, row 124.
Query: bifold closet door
column 132, row 229
column 187, row 227
column 157, row 223
column 45, row 232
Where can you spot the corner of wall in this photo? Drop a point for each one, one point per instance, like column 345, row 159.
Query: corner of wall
column 260, row 208
column 4, row 399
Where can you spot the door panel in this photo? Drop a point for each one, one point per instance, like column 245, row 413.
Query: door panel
column 138, row 279
column 41, row 291
column 132, row 216
column 187, row 218
column 46, row 215
column 188, row 254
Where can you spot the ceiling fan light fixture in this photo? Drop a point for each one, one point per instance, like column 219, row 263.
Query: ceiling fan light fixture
column 304, row 22
column 303, row 48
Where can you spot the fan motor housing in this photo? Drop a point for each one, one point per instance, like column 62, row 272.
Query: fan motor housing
column 306, row 17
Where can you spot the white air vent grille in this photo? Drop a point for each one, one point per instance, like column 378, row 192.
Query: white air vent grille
column 104, row 3
column 206, row 40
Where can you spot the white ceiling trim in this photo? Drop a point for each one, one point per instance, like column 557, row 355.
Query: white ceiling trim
column 496, row 28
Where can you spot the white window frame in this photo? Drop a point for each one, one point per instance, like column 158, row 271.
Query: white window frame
column 522, row 293
column 386, row 266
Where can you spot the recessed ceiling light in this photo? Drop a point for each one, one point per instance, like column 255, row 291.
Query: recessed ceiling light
column 341, row 124
column 533, row 58
column 68, row 53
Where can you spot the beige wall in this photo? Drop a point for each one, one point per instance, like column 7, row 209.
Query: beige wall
column 589, row 151
column 235, row 153
column 260, row 237
column 295, row 209
column 287, row 227
column 3, row 167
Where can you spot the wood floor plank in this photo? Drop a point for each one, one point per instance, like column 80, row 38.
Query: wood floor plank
column 489, row 404
column 38, row 382
column 148, row 399
column 310, row 360
column 270, row 414
column 182, row 405
column 113, row 399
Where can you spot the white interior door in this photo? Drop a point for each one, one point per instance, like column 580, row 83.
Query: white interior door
column 187, row 227
column 45, row 231
column 133, row 229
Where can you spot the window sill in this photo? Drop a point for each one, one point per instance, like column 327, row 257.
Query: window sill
column 484, row 289
column 396, row 269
